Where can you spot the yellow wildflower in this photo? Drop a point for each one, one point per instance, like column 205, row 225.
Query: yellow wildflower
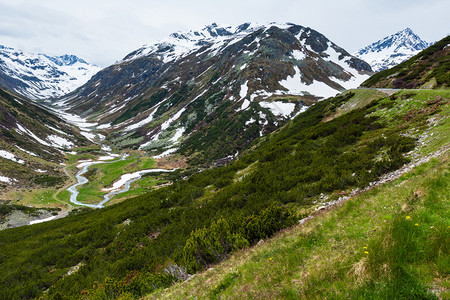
column 366, row 252
column 364, row 247
column 416, row 224
column 408, row 217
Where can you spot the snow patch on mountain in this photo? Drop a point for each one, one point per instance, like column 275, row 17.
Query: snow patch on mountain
column 88, row 135
column 7, row 180
column 298, row 55
column 60, row 142
column 11, row 157
column 53, row 140
column 166, row 125
column 24, row 130
column 302, row 110
column 104, row 126
column 245, row 105
column 26, row 151
column 279, row 108
column 142, row 122
column 296, row 86
column 251, row 121
column 178, row 134
column 243, row 90
column 175, row 117
column 76, row 120
column 165, row 153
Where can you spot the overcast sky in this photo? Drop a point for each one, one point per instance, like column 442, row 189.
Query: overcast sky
column 104, row 31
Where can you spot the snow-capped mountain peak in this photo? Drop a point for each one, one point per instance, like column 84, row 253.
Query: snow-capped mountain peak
column 210, row 31
column 179, row 44
column 392, row 50
column 66, row 60
column 39, row 76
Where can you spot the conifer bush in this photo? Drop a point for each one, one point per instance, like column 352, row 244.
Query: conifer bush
column 209, row 245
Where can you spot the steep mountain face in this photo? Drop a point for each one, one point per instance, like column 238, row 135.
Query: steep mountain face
column 32, row 141
column 429, row 69
column 211, row 92
column 392, row 50
column 38, row 76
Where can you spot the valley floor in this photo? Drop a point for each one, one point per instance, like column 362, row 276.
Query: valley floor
column 54, row 202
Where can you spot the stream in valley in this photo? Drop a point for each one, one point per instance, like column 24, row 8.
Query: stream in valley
column 122, row 185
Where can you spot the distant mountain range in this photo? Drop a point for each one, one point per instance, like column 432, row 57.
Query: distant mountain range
column 39, row 76
column 215, row 89
column 392, row 50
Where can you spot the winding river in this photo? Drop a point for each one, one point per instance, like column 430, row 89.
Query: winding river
column 120, row 186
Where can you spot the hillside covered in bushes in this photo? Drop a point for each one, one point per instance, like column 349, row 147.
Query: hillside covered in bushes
column 146, row 243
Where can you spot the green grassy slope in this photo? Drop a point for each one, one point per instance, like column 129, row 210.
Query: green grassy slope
column 389, row 243
column 428, row 69
column 125, row 248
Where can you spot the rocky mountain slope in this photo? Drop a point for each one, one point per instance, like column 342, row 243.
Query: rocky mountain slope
column 32, row 142
column 211, row 92
column 430, row 69
column 39, row 76
column 392, row 50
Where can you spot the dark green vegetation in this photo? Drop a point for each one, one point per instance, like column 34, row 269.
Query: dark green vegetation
column 49, row 181
column 388, row 243
column 428, row 69
column 201, row 220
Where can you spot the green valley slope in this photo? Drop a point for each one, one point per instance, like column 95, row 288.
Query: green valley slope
column 336, row 147
column 388, row 243
column 32, row 141
column 32, row 145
